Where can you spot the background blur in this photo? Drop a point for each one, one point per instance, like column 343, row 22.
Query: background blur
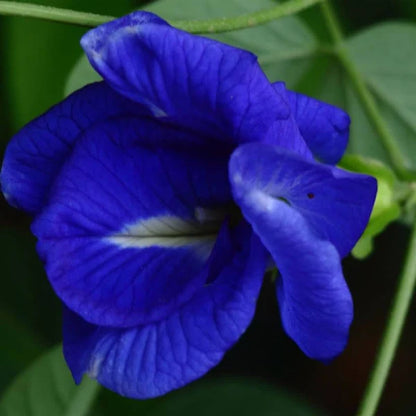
column 264, row 373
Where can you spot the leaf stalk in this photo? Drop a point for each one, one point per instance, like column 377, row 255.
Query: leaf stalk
column 220, row 25
column 395, row 155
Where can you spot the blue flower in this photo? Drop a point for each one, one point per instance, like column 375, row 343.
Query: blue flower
column 160, row 195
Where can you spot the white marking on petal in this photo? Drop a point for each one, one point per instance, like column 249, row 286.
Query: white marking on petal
column 131, row 30
column 206, row 215
column 156, row 111
column 167, row 231
column 261, row 200
column 94, row 366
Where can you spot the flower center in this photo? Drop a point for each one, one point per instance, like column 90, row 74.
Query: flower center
column 170, row 231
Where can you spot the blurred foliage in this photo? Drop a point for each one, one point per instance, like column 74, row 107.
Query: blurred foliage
column 46, row 389
column 386, row 208
column 38, row 55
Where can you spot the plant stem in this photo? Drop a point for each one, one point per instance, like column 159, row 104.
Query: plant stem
column 260, row 17
column 390, row 145
column 53, row 14
column 245, row 20
column 403, row 296
column 392, row 332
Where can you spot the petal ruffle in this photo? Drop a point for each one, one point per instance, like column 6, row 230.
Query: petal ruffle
column 197, row 83
column 336, row 204
column 130, row 224
column 153, row 359
column 36, row 153
column 324, row 127
column 273, row 189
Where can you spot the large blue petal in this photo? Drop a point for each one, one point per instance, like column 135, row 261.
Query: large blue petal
column 152, row 359
column 336, row 204
column 194, row 82
column 36, row 153
column 130, row 224
column 301, row 211
column 324, row 127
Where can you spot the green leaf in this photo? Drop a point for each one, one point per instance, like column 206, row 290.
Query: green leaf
column 46, row 388
column 38, row 56
column 228, row 397
column 386, row 57
column 336, row 88
column 386, row 209
column 286, row 48
column 81, row 74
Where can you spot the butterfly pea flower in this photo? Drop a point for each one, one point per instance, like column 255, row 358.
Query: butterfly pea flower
column 160, row 195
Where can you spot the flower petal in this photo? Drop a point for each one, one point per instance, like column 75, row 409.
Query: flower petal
column 152, row 359
column 336, row 204
column 315, row 303
column 286, row 134
column 36, row 153
column 194, row 82
column 130, row 224
column 324, row 127
column 295, row 207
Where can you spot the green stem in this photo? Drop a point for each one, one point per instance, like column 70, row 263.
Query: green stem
column 392, row 332
column 407, row 283
column 193, row 26
column 53, row 14
column 390, row 145
column 245, row 20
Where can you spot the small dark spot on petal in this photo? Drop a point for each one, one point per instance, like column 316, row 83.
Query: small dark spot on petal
column 311, row 195
column 281, row 198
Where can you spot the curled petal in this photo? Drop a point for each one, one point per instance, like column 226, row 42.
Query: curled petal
column 324, row 127
column 303, row 212
column 130, row 224
column 152, row 359
column 336, row 204
column 194, row 82
column 286, row 135
column 36, row 153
